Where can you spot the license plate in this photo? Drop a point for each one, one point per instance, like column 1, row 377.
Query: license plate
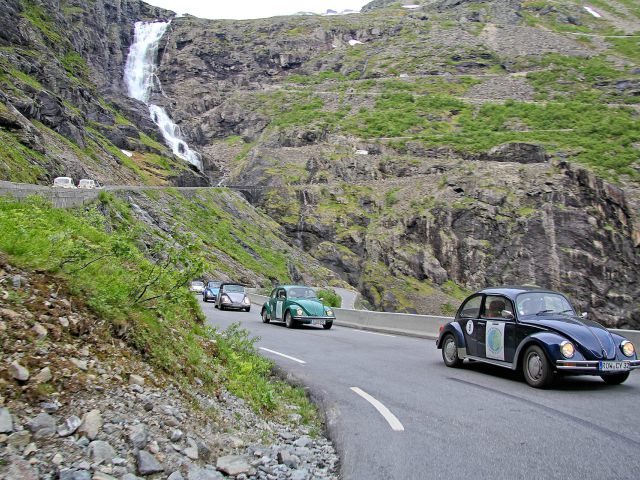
column 317, row 322
column 614, row 366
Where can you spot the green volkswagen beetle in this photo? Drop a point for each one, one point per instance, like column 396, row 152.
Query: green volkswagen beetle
column 295, row 305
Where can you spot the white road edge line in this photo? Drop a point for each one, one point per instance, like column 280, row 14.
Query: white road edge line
column 283, row 355
column 391, row 419
column 375, row 333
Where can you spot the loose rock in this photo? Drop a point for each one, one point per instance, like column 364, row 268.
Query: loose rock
column 18, row 372
column 235, row 465
column 43, row 425
column 70, row 426
column 43, row 376
column 101, row 452
column 147, row 463
column 6, row 421
column 91, row 424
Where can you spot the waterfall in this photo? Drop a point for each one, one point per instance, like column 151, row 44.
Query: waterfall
column 140, row 75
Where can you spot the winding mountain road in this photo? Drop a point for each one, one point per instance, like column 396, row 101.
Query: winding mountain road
column 395, row 411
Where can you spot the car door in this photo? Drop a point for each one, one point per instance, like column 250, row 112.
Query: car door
column 281, row 296
column 496, row 338
column 468, row 318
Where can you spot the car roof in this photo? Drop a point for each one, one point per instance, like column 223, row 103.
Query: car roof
column 512, row 291
column 232, row 283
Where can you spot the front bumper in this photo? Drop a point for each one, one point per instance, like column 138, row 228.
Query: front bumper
column 591, row 367
column 239, row 305
column 310, row 320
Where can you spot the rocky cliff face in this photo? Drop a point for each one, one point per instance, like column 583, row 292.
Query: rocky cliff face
column 63, row 105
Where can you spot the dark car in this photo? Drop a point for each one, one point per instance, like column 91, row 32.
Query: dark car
column 537, row 331
column 296, row 304
column 232, row 296
column 210, row 291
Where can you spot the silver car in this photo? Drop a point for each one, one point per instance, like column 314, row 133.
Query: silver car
column 233, row 296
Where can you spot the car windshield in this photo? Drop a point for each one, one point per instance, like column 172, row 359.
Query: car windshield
column 542, row 303
column 233, row 288
column 213, row 285
column 302, row 292
column 197, row 284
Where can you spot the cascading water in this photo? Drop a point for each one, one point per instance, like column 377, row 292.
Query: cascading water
column 139, row 75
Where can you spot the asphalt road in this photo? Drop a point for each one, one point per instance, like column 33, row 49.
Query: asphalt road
column 474, row 422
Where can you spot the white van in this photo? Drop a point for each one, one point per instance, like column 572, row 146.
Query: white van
column 63, row 182
column 87, row 183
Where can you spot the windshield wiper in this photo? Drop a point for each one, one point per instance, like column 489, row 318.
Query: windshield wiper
column 544, row 311
column 569, row 310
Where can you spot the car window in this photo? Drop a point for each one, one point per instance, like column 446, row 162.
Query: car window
column 197, row 284
column 233, row 288
column 213, row 285
column 471, row 308
column 274, row 293
column 282, row 293
column 495, row 304
column 535, row 303
column 301, row 292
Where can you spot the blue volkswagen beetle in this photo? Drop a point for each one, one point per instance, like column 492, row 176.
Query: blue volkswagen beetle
column 211, row 290
column 537, row 331
column 295, row 305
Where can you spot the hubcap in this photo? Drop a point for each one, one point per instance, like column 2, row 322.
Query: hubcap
column 534, row 366
column 450, row 351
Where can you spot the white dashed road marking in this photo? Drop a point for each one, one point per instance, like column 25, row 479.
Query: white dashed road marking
column 384, row 411
column 283, row 355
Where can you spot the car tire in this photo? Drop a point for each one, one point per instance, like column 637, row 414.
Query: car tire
column 536, row 368
column 327, row 325
column 615, row 378
column 450, row 352
column 288, row 320
column 248, row 309
column 204, row 299
column 221, row 307
column 265, row 316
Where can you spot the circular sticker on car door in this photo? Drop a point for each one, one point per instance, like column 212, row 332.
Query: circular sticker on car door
column 469, row 327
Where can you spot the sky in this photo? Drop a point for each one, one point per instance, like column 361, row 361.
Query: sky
column 242, row 9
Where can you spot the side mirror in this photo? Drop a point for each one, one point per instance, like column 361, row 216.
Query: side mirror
column 584, row 315
column 507, row 314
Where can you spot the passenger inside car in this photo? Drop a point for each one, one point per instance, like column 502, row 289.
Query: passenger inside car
column 495, row 308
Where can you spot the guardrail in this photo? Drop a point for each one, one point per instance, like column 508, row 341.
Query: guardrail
column 423, row 326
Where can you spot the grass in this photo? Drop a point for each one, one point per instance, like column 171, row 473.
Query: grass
column 143, row 296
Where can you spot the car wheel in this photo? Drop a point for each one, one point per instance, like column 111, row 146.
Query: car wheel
column 615, row 378
column 221, row 307
column 288, row 320
column 265, row 316
column 327, row 325
column 204, row 299
column 450, row 352
column 248, row 309
column 536, row 368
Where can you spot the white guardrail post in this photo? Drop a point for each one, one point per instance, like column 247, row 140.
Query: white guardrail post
column 423, row 326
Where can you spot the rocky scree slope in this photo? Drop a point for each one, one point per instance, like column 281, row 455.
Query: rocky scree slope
column 63, row 107
column 459, row 145
column 77, row 403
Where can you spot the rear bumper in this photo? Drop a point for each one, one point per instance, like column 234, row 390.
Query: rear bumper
column 236, row 305
column 591, row 367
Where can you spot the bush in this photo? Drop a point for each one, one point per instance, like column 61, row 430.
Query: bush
column 329, row 297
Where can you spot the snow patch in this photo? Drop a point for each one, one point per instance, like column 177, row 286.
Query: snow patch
column 593, row 12
column 127, row 153
column 353, row 42
column 411, row 7
column 362, row 152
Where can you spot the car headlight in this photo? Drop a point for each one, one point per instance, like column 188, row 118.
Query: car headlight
column 627, row 348
column 299, row 312
column 567, row 349
column 329, row 312
column 225, row 299
column 246, row 301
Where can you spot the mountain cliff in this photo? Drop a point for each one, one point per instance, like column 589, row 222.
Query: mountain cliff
column 418, row 153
